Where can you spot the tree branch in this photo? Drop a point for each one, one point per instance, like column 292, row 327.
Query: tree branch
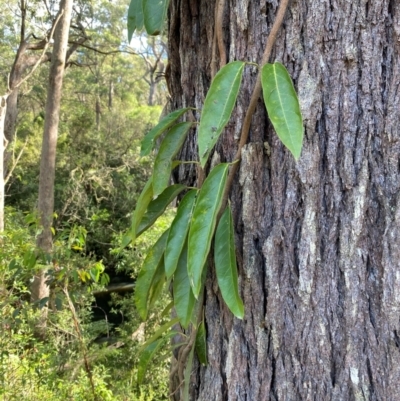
column 39, row 61
column 101, row 51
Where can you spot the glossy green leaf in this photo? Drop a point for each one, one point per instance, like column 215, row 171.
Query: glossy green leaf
column 146, row 356
column 186, row 376
column 157, row 207
column 178, row 232
column 30, row 259
column 126, row 240
column 135, row 17
column 147, row 275
column 141, row 205
column 157, row 285
column 201, row 344
column 225, row 264
column 159, row 332
column 203, row 223
column 167, row 310
column 283, row 106
column 218, row 106
column 155, row 14
column 162, row 126
column 169, row 147
column 183, row 296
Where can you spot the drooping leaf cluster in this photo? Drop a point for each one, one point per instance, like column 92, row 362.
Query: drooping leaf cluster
column 182, row 253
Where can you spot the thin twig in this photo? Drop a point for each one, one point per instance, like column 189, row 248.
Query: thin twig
column 16, row 162
column 102, row 51
column 220, row 33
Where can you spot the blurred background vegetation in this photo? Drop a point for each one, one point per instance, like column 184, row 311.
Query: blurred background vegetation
column 112, row 95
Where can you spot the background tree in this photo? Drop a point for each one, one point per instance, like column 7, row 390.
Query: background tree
column 98, row 177
column 39, row 288
column 317, row 239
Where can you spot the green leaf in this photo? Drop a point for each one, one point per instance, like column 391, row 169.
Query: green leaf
column 126, row 240
column 160, row 331
column 225, row 264
column 146, row 356
column 170, row 146
column 43, row 302
column 283, row 106
column 178, row 232
column 201, row 344
column 203, row 223
column 155, row 13
column 218, row 106
column 135, row 17
column 147, row 274
column 94, row 274
column 168, row 308
column 157, row 207
column 183, row 296
column 30, row 259
column 141, row 205
column 163, row 125
column 158, row 284
column 187, row 374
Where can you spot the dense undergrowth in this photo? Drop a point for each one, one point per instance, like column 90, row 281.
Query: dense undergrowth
column 70, row 363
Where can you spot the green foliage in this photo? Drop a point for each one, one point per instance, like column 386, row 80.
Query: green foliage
column 151, row 13
column 170, row 146
column 283, row 106
column 55, row 368
column 152, row 265
column 143, row 202
column 184, row 299
column 202, row 225
column 201, row 344
column 99, row 175
column 218, row 106
column 225, row 264
column 157, row 207
column 161, row 127
column 182, row 253
column 178, row 232
column 135, row 17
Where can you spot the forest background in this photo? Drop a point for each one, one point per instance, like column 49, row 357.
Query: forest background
column 112, row 95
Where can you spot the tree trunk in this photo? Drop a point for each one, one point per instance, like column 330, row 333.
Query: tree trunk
column 98, row 112
column 39, row 289
column 318, row 240
column 110, row 95
column 3, row 111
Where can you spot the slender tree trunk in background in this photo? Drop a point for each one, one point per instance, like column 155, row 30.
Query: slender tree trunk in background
column 110, row 95
column 152, row 91
column 39, row 288
column 3, row 110
column 98, row 113
column 318, row 240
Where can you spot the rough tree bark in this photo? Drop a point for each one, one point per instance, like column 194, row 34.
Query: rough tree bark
column 318, row 240
column 39, row 288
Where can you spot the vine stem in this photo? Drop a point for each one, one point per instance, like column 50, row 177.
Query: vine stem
column 255, row 96
column 218, row 40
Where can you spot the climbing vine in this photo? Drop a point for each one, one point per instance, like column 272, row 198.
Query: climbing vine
column 203, row 220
